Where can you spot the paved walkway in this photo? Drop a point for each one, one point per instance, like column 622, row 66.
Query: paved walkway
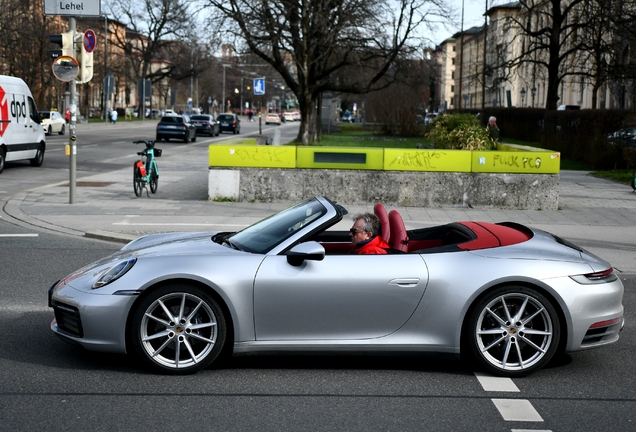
column 597, row 214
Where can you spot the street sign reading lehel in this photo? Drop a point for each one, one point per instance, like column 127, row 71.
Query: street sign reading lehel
column 89, row 40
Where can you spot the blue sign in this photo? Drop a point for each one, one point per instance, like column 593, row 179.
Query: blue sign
column 259, row 86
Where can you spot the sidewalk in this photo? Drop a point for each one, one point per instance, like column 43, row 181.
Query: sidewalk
column 597, row 214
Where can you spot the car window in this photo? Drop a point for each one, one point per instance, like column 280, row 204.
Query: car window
column 268, row 233
column 201, row 117
column 226, row 117
column 171, row 119
column 45, row 114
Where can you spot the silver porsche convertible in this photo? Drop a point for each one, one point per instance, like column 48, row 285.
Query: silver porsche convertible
column 503, row 296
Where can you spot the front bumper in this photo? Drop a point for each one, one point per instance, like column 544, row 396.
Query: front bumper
column 95, row 321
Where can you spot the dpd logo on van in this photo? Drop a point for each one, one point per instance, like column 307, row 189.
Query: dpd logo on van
column 4, row 112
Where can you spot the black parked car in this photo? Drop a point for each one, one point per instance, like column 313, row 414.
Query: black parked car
column 205, row 124
column 177, row 127
column 229, row 123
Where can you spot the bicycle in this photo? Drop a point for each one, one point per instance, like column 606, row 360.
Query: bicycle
column 146, row 173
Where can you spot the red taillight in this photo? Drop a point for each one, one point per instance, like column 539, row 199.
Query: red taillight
column 605, row 323
column 234, row 122
column 600, row 275
column 604, row 276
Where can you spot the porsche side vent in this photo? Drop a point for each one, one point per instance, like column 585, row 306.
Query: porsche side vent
column 68, row 319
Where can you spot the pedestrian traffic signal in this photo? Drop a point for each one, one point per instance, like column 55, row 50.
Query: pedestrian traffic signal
column 65, row 41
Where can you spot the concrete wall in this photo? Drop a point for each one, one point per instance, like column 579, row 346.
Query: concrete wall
column 411, row 189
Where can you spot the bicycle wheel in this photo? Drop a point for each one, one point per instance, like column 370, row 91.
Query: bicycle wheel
column 137, row 186
column 154, row 181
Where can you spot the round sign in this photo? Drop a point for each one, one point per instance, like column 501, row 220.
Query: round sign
column 89, row 40
column 65, row 68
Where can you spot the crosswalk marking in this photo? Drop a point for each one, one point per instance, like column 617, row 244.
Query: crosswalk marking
column 491, row 383
column 517, row 410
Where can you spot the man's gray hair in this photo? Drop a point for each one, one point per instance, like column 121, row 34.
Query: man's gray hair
column 492, row 118
column 371, row 222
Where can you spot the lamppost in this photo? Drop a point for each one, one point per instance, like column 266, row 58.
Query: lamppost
column 523, row 96
column 533, row 91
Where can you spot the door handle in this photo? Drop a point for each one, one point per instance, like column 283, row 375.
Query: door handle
column 405, row 282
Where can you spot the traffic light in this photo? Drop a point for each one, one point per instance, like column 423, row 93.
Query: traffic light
column 87, row 44
column 64, row 40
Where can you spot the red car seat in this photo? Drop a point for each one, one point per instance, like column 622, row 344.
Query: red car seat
column 381, row 213
column 399, row 238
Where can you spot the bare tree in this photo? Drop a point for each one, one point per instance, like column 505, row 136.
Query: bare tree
column 308, row 41
column 550, row 32
column 158, row 30
column 24, row 51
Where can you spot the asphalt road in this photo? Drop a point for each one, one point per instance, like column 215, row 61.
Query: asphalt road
column 46, row 384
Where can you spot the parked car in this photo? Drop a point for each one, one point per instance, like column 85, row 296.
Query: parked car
column 272, row 118
column 182, row 300
column 206, row 124
column 53, row 122
column 296, row 115
column 430, row 118
column 623, row 137
column 229, row 123
column 289, row 117
column 176, row 127
column 568, row 107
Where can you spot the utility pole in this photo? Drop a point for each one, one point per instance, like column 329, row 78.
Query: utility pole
column 461, row 61
column 71, row 136
column 483, row 69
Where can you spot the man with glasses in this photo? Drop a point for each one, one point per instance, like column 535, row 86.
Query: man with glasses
column 365, row 235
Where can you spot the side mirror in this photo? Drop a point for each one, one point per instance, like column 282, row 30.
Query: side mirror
column 311, row 250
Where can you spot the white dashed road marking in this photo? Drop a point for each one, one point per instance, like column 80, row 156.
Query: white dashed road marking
column 491, row 383
column 18, row 235
column 517, row 410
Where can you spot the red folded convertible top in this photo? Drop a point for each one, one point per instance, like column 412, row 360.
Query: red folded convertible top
column 491, row 235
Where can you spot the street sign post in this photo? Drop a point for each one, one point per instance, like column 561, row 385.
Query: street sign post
column 75, row 8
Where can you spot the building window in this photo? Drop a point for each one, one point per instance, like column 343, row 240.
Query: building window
column 453, row 75
column 453, row 62
column 452, row 89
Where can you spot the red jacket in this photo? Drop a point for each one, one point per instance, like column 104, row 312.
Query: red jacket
column 376, row 245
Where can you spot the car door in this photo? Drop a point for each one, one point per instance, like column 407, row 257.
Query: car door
column 340, row 297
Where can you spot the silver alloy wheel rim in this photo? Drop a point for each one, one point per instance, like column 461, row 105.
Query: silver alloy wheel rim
column 178, row 330
column 514, row 332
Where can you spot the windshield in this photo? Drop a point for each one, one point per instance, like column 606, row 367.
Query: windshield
column 45, row 114
column 268, row 233
column 226, row 117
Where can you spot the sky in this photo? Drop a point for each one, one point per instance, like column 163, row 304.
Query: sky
column 473, row 16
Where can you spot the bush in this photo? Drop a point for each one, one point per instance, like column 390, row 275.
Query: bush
column 460, row 132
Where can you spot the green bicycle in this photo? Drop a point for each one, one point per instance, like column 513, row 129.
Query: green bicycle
column 146, row 172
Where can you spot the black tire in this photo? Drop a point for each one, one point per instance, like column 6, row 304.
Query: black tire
column 39, row 157
column 154, row 181
column 62, row 130
column 634, row 183
column 517, row 347
column 2, row 154
column 186, row 137
column 190, row 343
column 218, row 132
column 194, row 138
column 49, row 131
column 137, row 182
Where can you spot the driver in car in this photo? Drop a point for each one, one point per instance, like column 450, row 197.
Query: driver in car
column 365, row 235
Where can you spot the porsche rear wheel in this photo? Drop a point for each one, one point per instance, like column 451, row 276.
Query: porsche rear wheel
column 513, row 331
column 178, row 329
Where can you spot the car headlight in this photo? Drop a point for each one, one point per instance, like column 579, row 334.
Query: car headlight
column 113, row 273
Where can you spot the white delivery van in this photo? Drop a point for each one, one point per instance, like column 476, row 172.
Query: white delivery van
column 21, row 131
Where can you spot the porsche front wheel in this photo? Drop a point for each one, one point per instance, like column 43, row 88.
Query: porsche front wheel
column 513, row 331
column 178, row 329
